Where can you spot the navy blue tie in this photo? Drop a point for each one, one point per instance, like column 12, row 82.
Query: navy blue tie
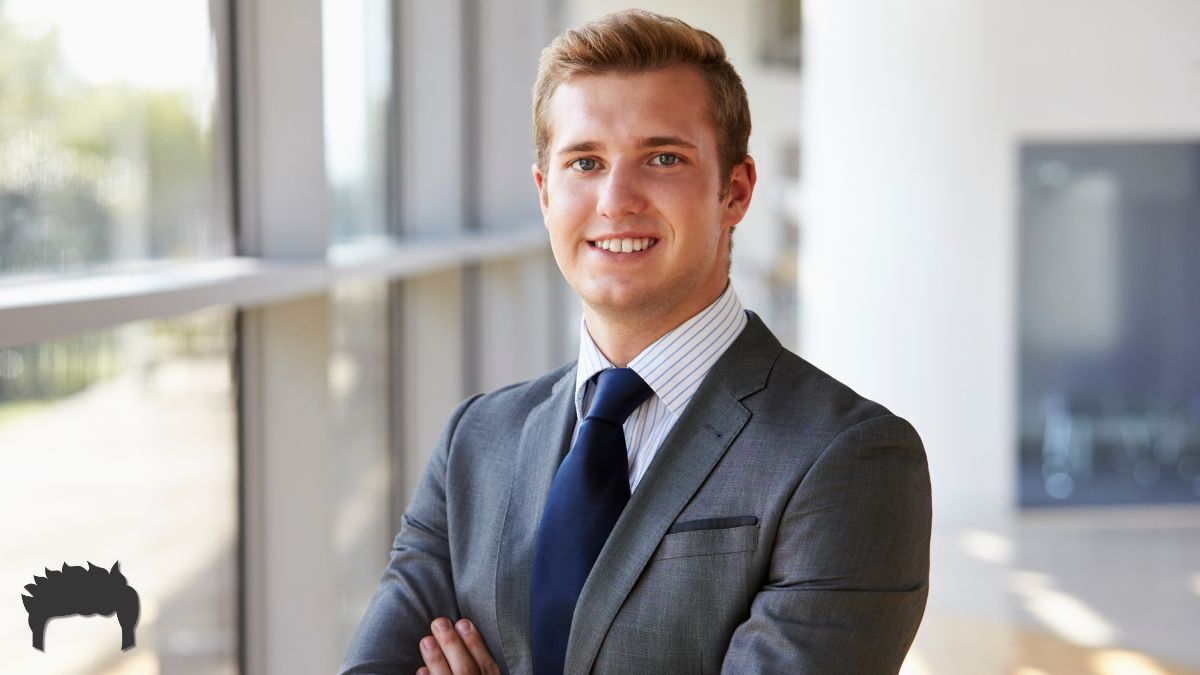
column 588, row 494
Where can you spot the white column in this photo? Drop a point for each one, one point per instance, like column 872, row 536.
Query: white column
column 906, row 273
column 291, row 594
column 282, row 130
column 289, row 468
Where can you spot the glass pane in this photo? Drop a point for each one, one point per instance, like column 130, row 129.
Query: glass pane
column 120, row 446
column 357, row 49
column 358, row 382
column 1110, row 332
column 110, row 151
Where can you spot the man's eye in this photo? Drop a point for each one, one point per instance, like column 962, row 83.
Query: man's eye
column 585, row 164
column 666, row 159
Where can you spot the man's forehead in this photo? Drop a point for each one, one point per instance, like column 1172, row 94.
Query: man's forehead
column 646, row 109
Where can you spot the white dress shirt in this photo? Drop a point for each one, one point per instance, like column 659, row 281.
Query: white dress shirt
column 673, row 366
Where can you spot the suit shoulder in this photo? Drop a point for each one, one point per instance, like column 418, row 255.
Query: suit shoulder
column 825, row 402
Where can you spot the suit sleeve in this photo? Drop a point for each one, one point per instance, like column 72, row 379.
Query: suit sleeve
column 417, row 585
column 849, row 572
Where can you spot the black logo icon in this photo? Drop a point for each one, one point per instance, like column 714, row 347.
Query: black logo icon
column 75, row 590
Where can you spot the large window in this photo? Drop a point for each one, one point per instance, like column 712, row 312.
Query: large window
column 134, row 137
column 111, row 149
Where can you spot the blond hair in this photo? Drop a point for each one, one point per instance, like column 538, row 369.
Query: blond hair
column 635, row 41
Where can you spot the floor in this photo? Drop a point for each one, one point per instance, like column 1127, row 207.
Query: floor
column 1088, row 590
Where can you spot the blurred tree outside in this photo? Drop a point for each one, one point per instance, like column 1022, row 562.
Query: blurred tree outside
column 93, row 175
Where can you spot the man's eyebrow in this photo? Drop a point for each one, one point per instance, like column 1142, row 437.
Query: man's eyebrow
column 658, row 141
column 585, row 146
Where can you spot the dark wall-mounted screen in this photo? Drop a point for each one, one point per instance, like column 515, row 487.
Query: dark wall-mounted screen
column 1109, row 312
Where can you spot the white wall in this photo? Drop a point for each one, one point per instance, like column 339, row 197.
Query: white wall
column 1113, row 69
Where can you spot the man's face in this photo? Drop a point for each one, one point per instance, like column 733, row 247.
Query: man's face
column 633, row 163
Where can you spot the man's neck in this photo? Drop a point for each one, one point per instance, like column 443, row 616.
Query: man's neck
column 621, row 336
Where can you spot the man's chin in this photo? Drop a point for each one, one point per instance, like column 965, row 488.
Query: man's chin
column 620, row 302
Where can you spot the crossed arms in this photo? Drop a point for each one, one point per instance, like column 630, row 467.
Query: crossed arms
column 843, row 592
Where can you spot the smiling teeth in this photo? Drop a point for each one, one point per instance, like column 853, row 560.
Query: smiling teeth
column 625, row 245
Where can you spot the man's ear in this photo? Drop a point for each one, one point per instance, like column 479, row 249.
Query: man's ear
column 543, row 197
column 741, row 189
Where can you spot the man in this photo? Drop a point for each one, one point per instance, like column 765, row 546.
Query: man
column 688, row 496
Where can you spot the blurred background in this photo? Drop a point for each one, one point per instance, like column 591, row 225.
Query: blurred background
column 252, row 252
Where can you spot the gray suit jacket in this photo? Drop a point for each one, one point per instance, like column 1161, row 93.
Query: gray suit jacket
column 783, row 527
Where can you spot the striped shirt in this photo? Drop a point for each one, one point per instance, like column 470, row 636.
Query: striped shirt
column 673, row 367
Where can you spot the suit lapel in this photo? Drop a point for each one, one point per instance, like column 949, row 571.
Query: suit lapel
column 705, row 430
column 544, row 442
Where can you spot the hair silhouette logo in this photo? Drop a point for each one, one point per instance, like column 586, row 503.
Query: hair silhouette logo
column 75, row 590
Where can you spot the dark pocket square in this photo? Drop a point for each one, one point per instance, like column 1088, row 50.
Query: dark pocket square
column 709, row 537
column 713, row 524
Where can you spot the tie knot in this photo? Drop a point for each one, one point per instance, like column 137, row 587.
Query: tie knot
column 619, row 391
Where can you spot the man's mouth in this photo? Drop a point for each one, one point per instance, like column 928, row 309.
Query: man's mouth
column 624, row 245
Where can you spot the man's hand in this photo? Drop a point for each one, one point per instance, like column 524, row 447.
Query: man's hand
column 457, row 650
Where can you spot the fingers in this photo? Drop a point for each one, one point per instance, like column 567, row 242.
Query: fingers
column 462, row 662
column 456, row 650
column 477, row 647
column 435, row 659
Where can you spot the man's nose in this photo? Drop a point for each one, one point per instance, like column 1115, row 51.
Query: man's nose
column 620, row 194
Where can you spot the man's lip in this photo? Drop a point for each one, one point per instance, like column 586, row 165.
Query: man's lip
column 623, row 236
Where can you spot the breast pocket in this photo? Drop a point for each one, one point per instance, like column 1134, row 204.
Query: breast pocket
column 712, row 536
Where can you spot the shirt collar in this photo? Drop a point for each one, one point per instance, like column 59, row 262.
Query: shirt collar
column 674, row 364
